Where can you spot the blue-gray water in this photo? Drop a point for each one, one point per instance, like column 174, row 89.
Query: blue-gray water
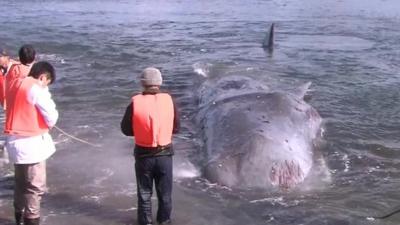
column 349, row 49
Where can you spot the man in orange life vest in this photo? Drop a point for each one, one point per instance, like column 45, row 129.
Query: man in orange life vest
column 5, row 64
column 30, row 114
column 152, row 118
column 4, row 58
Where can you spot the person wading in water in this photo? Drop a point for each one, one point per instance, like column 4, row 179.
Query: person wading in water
column 152, row 118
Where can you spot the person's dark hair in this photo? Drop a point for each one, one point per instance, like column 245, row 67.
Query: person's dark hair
column 26, row 54
column 43, row 67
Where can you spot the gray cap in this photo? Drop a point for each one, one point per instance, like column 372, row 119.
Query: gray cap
column 151, row 77
column 3, row 52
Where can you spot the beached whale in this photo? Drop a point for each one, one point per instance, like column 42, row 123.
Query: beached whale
column 254, row 137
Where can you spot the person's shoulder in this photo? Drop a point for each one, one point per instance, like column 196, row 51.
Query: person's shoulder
column 136, row 95
column 37, row 89
column 15, row 66
column 169, row 95
column 166, row 93
column 13, row 61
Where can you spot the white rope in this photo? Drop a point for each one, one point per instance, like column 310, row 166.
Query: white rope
column 75, row 138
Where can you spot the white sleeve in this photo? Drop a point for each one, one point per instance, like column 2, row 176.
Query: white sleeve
column 41, row 98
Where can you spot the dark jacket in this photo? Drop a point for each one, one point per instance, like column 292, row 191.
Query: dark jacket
column 127, row 129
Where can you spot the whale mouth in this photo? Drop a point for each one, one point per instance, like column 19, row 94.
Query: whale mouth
column 286, row 174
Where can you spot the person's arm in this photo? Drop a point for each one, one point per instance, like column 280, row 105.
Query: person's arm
column 126, row 122
column 177, row 124
column 41, row 98
column 2, row 95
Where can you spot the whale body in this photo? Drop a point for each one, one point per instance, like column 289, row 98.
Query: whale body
column 254, row 137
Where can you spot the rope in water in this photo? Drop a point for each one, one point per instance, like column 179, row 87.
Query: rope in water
column 75, row 138
column 387, row 215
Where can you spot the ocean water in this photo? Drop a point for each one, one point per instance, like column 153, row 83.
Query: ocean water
column 348, row 49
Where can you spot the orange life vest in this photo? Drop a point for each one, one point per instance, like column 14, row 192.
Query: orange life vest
column 17, row 71
column 153, row 119
column 23, row 118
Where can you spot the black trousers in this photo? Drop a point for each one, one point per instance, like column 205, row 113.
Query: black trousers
column 159, row 170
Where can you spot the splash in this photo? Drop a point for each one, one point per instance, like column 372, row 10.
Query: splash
column 202, row 69
column 51, row 58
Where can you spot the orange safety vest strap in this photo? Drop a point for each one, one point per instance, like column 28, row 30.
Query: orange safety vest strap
column 23, row 118
column 153, row 119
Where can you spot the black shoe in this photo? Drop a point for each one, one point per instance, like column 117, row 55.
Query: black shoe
column 165, row 222
column 18, row 218
column 35, row 221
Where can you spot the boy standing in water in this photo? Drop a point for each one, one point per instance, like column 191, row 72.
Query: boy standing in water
column 152, row 118
column 30, row 113
column 20, row 70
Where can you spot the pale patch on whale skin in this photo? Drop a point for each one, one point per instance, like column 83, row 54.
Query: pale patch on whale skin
column 286, row 174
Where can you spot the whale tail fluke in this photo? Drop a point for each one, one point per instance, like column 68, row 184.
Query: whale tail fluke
column 268, row 42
